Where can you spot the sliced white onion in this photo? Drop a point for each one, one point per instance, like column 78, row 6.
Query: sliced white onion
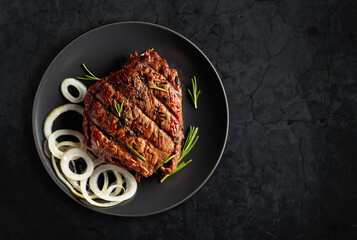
column 60, row 176
column 53, row 144
column 131, row 184
column 79, row 188
column 46, row 149
column 47, row 127
column 112, row 187
column 82, row 89
column 106, row 182
column 74, row 153
column 87, row 197
column 64, row 146
column 118, row 182
column 76, row 184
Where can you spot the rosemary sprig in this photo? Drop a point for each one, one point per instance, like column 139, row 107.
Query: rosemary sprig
column 118, row 107
column 190, row 142
column 135, row 152
column 178, row 168
column 188, row 145
column 89, row 75
column 159, row 88
column 167, row 160
column 194, row 94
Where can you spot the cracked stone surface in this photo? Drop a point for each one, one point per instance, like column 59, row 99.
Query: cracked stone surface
column 289, row 170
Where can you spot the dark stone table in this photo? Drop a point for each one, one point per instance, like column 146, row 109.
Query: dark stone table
column 289, row 168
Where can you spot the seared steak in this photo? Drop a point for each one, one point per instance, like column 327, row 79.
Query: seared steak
column 150, row 121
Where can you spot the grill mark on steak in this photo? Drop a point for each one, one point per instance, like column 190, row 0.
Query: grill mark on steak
column 173, row 106
column 116, row 154
column 97, row 142
column 153, row 60
column 136, row 118
column 151, row 77
column 151, row 105
column 102, row 117
column 112, row 151
column 107, row 122
column 109, row 149
column 143, row 64
column 171, row 98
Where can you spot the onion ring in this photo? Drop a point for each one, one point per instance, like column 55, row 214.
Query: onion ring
column 69, row 156
column 52, row 141
column 46, row 149
column 60, row 176
column 47, row 126
column 118, row 181
column 81, row 88
column 131, row 184
column 97, row 162
column 87, row 197
column 74, row 190
column 112, row 187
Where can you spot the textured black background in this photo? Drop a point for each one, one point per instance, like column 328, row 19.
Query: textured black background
column 289, row 168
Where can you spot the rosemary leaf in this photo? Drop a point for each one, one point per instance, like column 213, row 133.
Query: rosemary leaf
column 89, row 75
column 190, row 141
column 194, row 94
column 158, row 88
column 121, row 106
column 179, row 167
column 167, row 160
column 188, row 149
column 163, row 179
column 135, row 152
column 182, row 165
column 89, row 72
column 118, row 107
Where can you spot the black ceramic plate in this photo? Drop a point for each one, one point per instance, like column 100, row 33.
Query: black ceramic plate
column 104, row 50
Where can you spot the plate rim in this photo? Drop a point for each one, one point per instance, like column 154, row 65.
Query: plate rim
column 34, row 110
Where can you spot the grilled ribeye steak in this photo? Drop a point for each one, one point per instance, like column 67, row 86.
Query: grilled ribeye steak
column 150, row 121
